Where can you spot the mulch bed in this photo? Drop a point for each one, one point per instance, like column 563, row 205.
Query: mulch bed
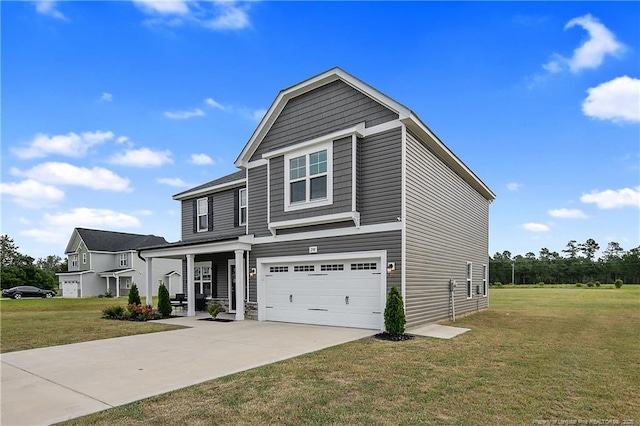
column 216, row 319
column 393, row 337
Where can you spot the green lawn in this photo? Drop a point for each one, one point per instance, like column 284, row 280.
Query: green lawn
column 37, row 323
column 537, row 354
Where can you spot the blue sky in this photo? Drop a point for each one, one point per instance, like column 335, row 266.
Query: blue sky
column 110, row 108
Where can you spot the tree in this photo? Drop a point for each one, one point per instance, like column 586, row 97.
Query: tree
column 164, row 301
column 572, row 249
column 9, row 254
column 589, row 248
column 394, row 319
column 134, row 296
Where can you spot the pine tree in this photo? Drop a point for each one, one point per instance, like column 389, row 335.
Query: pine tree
column 134, row 296
column 394, row 319
column 164, row 301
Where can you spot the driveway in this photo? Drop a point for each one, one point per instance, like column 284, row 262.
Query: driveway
column 48, row 385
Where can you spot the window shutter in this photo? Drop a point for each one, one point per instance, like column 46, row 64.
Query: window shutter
column 236, row 207
column 195, row 216
column 210, row 212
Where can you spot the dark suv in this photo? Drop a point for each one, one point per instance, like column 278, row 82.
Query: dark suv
column 28, row 291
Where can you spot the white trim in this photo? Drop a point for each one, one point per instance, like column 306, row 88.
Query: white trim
column 84, row 258
column 315, row 220
column 230, row 263
column 261, row 263
column 358, row 130
column 246, row 225
column 306, row 152
column 468, row 275
column 198, row 214
column 209, row 189
column 115, row 273
column 213, row 247
column 389, row 125
column 240, row 207
column 485, row 275
column 268, row 191
column 354, row 171
column 201, row 282
column 247, row 278
column 338, row 232
column 256, row 163
column 403, row 219
column 69, row 273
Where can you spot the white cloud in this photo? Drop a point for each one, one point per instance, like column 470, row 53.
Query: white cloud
column 163, row 7
column 87, row 217
column 143, row 212
column 614, row 198
column 258, row 114
column 46, row 236
column 24, row 221
column 214, row 104
column 231, row 17
column 106, row 97
column 177, row 182
column 201, row 159
column 592, row 52
column 67, row 174
column 143, row 157
column 215, row 15
column 616, row 100
column 536, row 227
column 181, row 115
column 48, row 7
column 71, row 145
column 31, row 193
column 513, row 186
column 568, row 213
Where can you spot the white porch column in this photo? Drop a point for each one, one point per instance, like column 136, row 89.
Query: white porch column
column 240, row 285
column 117, row 285
column 107, row 277
column 149, row 282
column 191, row 297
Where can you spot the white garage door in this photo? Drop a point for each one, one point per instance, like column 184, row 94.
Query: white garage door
column 336, row 292
column 70, row 289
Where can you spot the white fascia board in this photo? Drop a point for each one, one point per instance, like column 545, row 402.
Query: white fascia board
column 210, row 189
column 315, row 220
column 306, row 86
column 75, row 272
column 327, row 233
column 357, row 130
column 415, row 124
column 115, row 273
column 179, row 252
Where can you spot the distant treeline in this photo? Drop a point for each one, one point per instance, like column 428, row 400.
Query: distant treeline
column 577, row 264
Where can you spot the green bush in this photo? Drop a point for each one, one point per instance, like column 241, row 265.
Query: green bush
column 164, row 301
column 113, row 312
column 134, row 296
column 541, row 284
column 579, row 285
column 590, row 284
column 597, row 283
column 394, row 319
column 618, row 283
column 498, row 284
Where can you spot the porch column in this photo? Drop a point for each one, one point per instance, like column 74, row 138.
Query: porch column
column 107, row 277
column 117, row 285
column 191, row 297
column 149, row 282
column 240, row 285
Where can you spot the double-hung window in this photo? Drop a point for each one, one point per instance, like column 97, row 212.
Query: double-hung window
column 469, row 280
column 124, row 261
column 84, row 258
column 485, row 275
column 203, row 214
column 242, row 207
column 308, row 178
column 73, row 260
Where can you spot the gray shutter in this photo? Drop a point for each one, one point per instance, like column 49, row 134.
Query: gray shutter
column 236, row 207
column 195, row 216
column 210, row 210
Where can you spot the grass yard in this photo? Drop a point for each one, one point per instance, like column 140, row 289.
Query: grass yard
column 37, row 323
column 536, row 355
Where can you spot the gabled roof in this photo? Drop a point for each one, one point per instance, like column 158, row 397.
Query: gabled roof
column 406, row 116
column 109, row 241
column 219, row 183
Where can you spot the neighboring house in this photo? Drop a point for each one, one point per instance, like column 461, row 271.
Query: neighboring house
column 102, row 261
column 342, row 192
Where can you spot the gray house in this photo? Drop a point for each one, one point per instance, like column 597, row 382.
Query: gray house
column 341, row 193
column 101, row 261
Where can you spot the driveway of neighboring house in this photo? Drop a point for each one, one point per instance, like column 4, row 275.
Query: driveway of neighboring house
column 48, row 385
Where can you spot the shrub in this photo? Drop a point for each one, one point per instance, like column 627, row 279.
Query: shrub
column 108, row 294
column 164, row 301
column 135, row 312
column 498, row 284
column 213, row 309
column 589, row 284
column 579, row 285
column 541, row 284
column 113, row 312
column 394, row 319
column 134, row 296
column 618, row 283
column 597, row 283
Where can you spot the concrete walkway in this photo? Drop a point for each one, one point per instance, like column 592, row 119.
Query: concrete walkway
column 48, row 385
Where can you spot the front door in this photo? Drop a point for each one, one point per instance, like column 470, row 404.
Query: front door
column 232, row 285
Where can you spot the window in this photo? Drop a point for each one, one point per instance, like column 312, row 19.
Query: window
column 304, row 268
column 242, row 211
column 308, row 177
column 363, row 266
column 124, row 261
column 203, row 214
column 73, row 259
column 469, row 280
column 485, row 271
column 127, row 283
column 278, row 269
column 84, row 258
column 337, row 267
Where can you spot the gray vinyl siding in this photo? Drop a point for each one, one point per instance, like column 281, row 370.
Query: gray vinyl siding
column 389, row 241
column 446, row 227
column 342, row 184
column 219, row 262
column 223, row 219
column 257, row 199
column 321, row 111
column 380, row 177
column 322, row 227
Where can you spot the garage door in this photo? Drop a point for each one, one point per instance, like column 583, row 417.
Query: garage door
column 70, row 289
column 337, row 292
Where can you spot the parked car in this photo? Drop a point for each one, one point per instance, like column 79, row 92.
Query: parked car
column 28, row 291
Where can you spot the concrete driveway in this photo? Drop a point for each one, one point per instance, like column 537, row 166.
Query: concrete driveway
column 48, row 385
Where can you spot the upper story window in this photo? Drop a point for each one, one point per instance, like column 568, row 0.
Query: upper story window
column 84, row 258
column 309, row 177
column 124, row 259
column 242, row 207
column 203, row 214
column 73, row 260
